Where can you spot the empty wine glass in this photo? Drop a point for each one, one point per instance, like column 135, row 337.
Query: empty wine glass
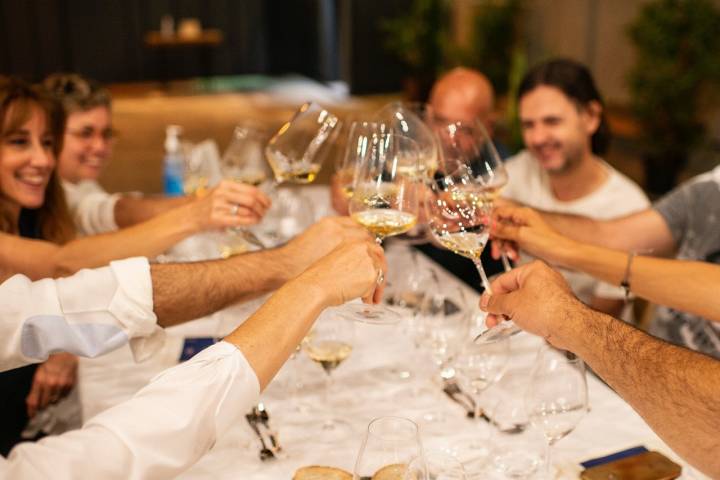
column 435, row 465
column 385, row 202
column 358, row 141
column 298, row 148
column 517, row 449
column 408, row 119
column 243, row 159
column 389, row 445
column 557, row 397
column 329, row 344
column 197, row 170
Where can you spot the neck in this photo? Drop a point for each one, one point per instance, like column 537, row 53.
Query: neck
column 581, row 180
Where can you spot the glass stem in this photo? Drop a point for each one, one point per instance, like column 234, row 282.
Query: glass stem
column 483, row 278
column 326, row 401
column 548, row 460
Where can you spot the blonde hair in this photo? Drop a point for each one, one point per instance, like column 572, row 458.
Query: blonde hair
column 18, row 99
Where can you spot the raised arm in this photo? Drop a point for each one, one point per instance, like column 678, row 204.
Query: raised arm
column 39, row 259
column 168, row 425
column 130, row 210
column 674, row 389
column 683, row 285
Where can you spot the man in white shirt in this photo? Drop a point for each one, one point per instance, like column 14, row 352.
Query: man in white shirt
column 565, row 131
column 98, row 310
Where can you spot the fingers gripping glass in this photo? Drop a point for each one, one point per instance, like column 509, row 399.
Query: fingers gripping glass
column 470, row 177
column 384, row 201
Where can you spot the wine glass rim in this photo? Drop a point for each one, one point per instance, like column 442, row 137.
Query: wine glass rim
column 398, row 420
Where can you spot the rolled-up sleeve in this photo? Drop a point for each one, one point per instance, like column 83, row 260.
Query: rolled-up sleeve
column 163, row 430
column 88, row 314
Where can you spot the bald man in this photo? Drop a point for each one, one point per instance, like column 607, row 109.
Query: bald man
column 463, row 94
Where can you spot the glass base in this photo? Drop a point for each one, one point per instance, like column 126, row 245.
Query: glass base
column 372, row 314
column 500, row 331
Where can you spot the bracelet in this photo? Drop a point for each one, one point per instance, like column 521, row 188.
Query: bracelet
column 625, row 284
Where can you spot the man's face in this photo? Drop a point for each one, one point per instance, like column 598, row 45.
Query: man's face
column 87, row 145
column 555, row 130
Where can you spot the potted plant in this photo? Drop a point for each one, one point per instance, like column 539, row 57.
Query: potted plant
column 418, row 39
column 678, row 61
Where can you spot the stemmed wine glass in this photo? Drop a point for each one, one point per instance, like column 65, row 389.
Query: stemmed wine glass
column 470, row 179
column 243, row 162
column 330, row 343
column 389, row 445
column 384, row 201
column 359, row 140
column 557, row 397
column 298, row 148
column 435, row 465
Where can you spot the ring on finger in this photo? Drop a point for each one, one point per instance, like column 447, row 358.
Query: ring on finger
column 380, row 277
column 234, row 210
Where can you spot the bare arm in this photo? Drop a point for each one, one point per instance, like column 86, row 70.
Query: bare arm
column 131, row 210
column 684, row 285
column 642, row 231
column 674, row 389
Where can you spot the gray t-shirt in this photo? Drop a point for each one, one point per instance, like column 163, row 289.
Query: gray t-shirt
column 692, row 211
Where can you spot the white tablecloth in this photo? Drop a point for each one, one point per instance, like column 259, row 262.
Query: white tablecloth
column 611, row 425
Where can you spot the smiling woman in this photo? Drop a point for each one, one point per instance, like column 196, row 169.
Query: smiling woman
column 31, row 128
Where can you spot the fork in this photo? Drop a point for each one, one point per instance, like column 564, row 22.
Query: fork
column 452, row 390
column 253, row 419
column 264, row 417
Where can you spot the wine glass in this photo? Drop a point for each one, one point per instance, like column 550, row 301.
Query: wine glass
column 517, row 450
column 243, row 162
column 358, row 141
column 408, row 119
column 330, row 343
column 243, row 159
column 435, row 465
column 385, row 202
column 298, row 148
column 388, row 447
column 471, row 178
column 197, row 170
column 557, row 397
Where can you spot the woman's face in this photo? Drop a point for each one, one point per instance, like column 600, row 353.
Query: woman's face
column 26, row 161
column 87, row 145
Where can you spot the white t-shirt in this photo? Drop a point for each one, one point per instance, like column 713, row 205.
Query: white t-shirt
column 91, row 207
column 528, row 183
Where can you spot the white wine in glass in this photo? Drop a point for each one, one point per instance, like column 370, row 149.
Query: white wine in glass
column 298, row 148
column 328, row 353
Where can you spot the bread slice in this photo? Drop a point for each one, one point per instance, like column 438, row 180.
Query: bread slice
column 391, row 472
column 315, row 472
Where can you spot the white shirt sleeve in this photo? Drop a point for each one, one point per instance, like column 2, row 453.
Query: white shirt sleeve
column 92, row 208
column 163, row 430
column 88, row 314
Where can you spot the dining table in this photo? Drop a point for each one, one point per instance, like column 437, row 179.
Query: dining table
column 386, row 374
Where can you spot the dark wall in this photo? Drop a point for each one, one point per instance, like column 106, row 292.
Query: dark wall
column 103, row 39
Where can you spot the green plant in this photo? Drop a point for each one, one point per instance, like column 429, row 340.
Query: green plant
column 678, row 58
column 495, row 41
column 419, row 38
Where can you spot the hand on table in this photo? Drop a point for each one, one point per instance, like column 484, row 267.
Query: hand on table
column 53, row 380
column 229, row 204
column 537, row 299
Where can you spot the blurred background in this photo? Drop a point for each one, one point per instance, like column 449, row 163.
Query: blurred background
column 209, row 64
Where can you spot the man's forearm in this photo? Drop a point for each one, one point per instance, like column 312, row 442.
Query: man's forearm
column 182, row 292
column 674, row 389
column 683, row 285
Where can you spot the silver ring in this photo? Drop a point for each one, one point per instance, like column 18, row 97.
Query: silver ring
column 380, row 277
column 234, row 210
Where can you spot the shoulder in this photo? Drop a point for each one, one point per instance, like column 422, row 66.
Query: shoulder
column 621, row 186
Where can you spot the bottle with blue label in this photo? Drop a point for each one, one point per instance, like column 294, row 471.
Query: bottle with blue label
column 173, row 164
